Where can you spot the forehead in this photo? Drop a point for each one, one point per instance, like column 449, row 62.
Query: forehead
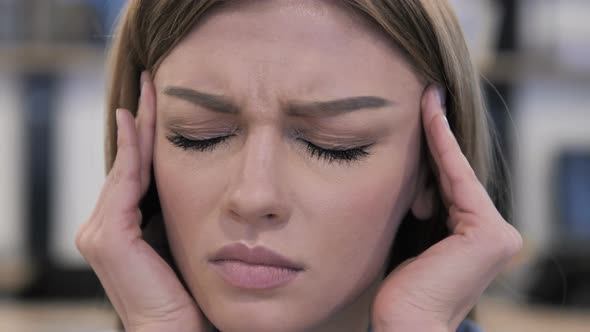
column 298, row 47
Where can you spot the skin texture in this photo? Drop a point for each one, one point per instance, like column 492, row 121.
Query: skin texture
column 330, row 217
column 337, row 220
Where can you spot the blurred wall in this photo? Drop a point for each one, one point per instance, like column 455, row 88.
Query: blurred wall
column 12, row 227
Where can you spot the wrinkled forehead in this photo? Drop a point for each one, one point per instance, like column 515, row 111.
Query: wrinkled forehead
column 299, row 47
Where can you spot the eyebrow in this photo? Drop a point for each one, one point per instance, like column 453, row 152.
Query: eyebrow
column 222, row 104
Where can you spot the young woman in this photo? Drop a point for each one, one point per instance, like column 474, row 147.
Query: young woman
column 288, row 166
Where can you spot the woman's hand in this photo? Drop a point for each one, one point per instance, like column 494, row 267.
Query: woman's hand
column 144, row 290
column 436, row 290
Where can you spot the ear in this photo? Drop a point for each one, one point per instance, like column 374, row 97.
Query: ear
column 423, row 204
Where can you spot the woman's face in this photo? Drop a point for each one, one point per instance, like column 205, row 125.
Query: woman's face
column 270, row 77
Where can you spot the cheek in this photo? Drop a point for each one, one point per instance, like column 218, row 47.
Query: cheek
column 189, row 193
column 184, row 191
column 356, row 217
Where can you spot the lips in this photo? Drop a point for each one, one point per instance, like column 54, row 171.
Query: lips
column 255, row 268
column 254, row 256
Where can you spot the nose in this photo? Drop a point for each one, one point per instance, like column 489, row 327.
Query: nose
column 256, row 192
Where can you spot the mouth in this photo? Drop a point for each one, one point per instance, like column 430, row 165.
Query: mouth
column 254, row 268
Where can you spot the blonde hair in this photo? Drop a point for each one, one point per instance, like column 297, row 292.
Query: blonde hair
column 426, row 32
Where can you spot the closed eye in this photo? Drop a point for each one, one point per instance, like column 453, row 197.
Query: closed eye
column 199, row 145
column 329, row 155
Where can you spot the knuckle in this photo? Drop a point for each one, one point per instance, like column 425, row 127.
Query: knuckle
column 515, row 242
column 80, row 239
column 93, row 247
column 511, row 241
column 87, row 239
column 84, row 242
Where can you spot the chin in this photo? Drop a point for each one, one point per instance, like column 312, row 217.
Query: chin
column 259, row 315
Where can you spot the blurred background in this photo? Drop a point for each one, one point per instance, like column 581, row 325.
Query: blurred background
column 534, row 56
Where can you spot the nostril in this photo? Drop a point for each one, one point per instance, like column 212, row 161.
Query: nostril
column 272, row 217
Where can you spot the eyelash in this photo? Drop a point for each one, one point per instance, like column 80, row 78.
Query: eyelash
column 199, row 145
column 344, row 156
column 337, row 155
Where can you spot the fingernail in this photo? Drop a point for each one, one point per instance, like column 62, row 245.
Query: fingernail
column 442, row 96
column 142, row 80
column 118, row 116
column 445, row 121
